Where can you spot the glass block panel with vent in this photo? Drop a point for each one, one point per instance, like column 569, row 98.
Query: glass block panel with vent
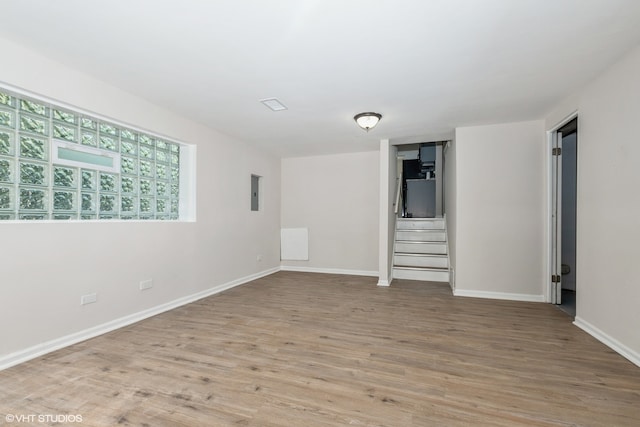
column 61, row 164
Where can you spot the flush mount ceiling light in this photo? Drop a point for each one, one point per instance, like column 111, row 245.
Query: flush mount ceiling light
column 367, row 120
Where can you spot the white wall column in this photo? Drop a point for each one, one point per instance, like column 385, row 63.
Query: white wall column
column 384, row 264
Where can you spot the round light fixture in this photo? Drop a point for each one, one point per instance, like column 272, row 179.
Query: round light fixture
column 367, row 120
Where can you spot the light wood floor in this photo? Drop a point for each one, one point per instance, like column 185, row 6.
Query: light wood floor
column 296, row 349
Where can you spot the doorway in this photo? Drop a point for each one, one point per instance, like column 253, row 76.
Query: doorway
column 563, row 217
column 422, row 183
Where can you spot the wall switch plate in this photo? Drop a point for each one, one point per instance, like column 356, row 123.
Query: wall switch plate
column 88, row 299
column 146, row 284
column 259, row 258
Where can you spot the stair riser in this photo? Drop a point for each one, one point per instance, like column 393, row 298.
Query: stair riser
column 427, row 276
column 423, row 236
column 421, row 261
column 436, row 224
column 421, row 248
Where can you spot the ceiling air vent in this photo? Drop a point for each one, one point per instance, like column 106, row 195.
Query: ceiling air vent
column 274, row 104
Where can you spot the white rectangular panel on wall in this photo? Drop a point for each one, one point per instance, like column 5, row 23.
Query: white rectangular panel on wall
column 294, row 244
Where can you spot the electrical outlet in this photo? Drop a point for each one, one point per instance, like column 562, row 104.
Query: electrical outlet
column 259, row 258
column 88, row 299
column 146, row 284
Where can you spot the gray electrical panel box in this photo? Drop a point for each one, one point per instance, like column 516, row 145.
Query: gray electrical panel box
column 255, row 193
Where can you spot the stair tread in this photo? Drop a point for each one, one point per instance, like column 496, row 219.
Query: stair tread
column 422, row 241
column 422, row 230
column 440, row 269
column 421, row 255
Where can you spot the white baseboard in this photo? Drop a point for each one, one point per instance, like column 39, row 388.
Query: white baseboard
column 329, row 271
column 382, row 282
column 498, row 295
column 614, row 344
column 38, row 350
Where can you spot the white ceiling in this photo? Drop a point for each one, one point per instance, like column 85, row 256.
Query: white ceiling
column 427, row 65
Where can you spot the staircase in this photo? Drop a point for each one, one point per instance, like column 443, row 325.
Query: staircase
column 421, row 250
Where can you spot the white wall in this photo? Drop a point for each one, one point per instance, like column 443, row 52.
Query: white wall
column 45, row 268
column 336, row 198
column 391, row 205
column 500, row 210
column 387, row 200
column 608, row 212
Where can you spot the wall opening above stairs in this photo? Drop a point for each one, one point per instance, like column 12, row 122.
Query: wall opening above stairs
column 420, row 180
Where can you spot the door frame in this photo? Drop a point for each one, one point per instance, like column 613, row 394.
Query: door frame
column 551, row 135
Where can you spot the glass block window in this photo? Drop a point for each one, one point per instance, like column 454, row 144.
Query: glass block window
column 60, row 164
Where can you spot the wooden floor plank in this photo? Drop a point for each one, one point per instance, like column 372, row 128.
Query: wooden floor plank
column 300, row 349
